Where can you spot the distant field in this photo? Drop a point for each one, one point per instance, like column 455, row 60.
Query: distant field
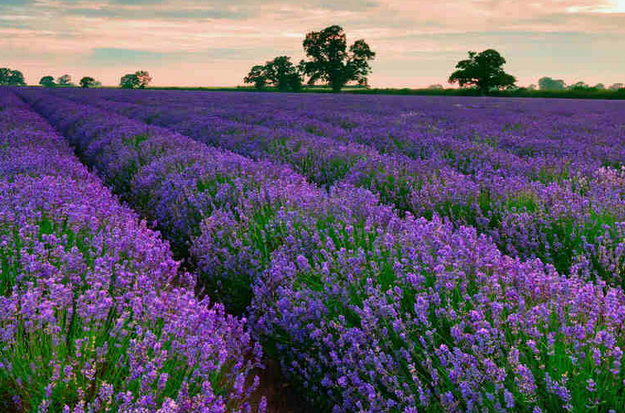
column 392, row 253
column 564, row 94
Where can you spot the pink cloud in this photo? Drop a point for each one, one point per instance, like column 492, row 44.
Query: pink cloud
column 417, row 42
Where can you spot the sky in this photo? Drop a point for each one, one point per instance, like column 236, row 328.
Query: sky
column 215, row 42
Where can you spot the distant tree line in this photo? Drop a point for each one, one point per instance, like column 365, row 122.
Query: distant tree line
column 332, row 63
column 547, row 83
column 66, row 81
column 329, row 61
column 137, row 80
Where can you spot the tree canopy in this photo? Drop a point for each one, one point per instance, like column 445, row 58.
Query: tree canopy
column 10, row 77
column 482, row 70
column 256, row 76
column 332, row 62
column 547, row 83
column 87, row 82
column 581, row 85
column 279, row 72
column 47, row 81
column 137, row 80
column 65, row 80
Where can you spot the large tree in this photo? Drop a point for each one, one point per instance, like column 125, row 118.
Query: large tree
column 10, row 77
column 547, row 83
column 617, row 86
column 282, row 73
column 482, row 70
column 257, row 76
column 137, row 80
column 129, row 81
column 332, row 62
column 279, row 72
column 47, row 81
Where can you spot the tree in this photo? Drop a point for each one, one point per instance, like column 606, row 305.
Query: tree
column 87, row 82
column 5, row 74
column 547, row 83
column 435, row 87
column 599, row 86
column 129, row 81
column 531, row 87
column 17, row 78
column 332, row 62
column 617, row 86
column 579, row 86
column 483, row 71
column 47, row 81
column 65, row 80
column 279, row 72
column 295, row 82
column 144, row 78
column 138, row 80
column 256, row 76
column 10, row 77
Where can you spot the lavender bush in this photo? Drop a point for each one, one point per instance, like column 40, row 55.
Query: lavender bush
column 372, row 308
column 535, row 195
column 96, row 314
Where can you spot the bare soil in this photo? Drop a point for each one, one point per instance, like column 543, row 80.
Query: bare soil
column 281, row 396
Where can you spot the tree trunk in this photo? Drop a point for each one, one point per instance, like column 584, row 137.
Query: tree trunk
column 336, row 87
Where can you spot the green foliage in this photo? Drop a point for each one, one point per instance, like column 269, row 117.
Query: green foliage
column 47, row 81
column 279, row 72
column 331, row 61
column 65, row 80
column 579, row 86
column 10, row 77
column 87, row 82
column 257, row 77
column 483, row 71
column 547, row 83
column 137, row 80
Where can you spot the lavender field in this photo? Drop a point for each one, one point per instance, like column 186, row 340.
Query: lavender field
column 393, row 254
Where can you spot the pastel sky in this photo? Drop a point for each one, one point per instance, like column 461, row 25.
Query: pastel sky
column 215, row 42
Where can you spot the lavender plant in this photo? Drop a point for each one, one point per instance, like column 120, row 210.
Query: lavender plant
column 371, row 310
column 96, row 314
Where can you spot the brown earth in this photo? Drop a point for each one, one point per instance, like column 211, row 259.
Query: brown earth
column 281, row 396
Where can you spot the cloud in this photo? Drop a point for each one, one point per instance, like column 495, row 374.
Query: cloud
column 112, row 55
column 161, row 14
column 8, row 22
column 118, row 56
column 417, row 39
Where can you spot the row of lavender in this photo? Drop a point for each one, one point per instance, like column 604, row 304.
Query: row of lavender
column 367, row 310
column 559, row 204
column 525, row 128
column 96, row 315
